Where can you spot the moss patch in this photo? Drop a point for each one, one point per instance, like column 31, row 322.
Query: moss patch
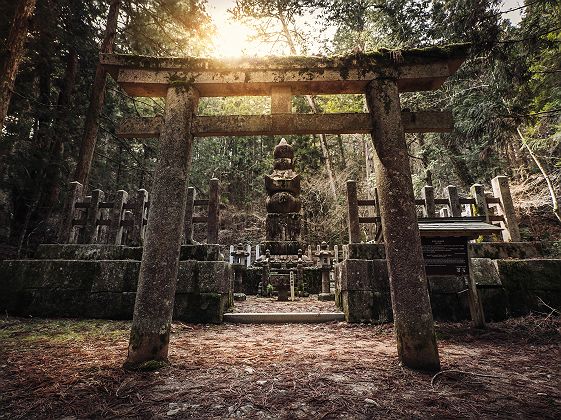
column 61, row 330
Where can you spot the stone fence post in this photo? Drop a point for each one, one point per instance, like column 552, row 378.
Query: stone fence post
column 480, row 208
column 66, row 227
column 189, row 211
column 213, row 213
column 115, row 234
column 454, row 201
column 501, row 190
column 137, row 229
column 427, row 194
column 352, row 206
column 92, row 215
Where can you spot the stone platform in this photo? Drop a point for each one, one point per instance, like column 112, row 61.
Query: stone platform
column 100, row 281
column 513, row 279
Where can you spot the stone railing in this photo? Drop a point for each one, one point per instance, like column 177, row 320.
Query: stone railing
column 253, row 252
column 90, row 219
column 494, row 207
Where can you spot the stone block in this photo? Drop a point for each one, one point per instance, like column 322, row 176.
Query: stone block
column 240, row 297
column 88, row 252
column 283, row 226
column 366, row 251
column 111, row 305
column 446, row 284
column 201, row 252
column 366, row 306
column 200, row 307
column 449, row 306
column 282, row 247
column 116, row 276
column 47, row 274
column 364, row 275
column 54, row 302
column 533, row 274
column 253, row 277
column 485, row 273
column 505, row 250
column 203, row 277
column 495, row 304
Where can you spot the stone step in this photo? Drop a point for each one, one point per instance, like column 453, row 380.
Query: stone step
column 283, row 317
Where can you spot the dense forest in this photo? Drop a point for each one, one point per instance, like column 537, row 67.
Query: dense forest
column 506, row 102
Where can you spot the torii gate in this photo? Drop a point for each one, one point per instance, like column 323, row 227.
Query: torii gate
column 381, row 76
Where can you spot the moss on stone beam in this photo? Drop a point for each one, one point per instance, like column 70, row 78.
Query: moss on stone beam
column 372, row 58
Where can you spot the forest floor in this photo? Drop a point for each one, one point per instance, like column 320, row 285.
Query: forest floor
column 65, row 368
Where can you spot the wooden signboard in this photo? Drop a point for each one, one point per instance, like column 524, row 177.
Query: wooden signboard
column 446, row 256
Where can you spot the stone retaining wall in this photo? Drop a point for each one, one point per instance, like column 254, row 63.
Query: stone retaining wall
column 94, row 287
column 508, row 287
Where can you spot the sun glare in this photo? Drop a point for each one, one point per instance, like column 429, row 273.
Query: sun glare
column 232, row 38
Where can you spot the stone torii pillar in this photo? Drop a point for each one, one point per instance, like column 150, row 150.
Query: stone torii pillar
column 155, row 295
column 414, row 327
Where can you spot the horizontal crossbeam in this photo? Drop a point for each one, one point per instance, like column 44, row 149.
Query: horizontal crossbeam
column 413, row 70
column 287, row 124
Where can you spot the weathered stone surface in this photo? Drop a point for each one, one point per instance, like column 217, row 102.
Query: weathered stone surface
column 282, row 247
column 485, row 272
column 111, row 305
column 200, row 307
column 88, row 252
column 366, row 251
column 365, row 306
column 201, row 252
column 284, row 124
column 283, row 202
column 495, row 304
column 414, row 327
column 450, row 306
column 114, row 276
column 364, row 275
column 505, row 250
column 203, row 277
column 446, row 284
column 532, row 274
column 415, row 70
column 364, row 289
column 94, row 288
column 54, row 302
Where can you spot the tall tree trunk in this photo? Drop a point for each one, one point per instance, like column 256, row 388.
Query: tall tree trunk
column 53, row 173
column 97, row 98
column 341, row 151
column 31, row 191
column 550, row 187
column 460, row 166
column 14, row 52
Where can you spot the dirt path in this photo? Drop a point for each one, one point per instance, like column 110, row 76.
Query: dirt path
column 61, row 368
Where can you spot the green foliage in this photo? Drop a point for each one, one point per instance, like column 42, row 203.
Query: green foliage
column 512, row 79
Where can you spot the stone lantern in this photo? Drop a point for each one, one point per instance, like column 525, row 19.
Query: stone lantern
column 325, row 264
column 239, row 257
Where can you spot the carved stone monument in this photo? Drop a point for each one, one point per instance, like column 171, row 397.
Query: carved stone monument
column 283, row 202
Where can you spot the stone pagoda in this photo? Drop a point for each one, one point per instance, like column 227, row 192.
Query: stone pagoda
column 283, row 224
column 284, row 219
